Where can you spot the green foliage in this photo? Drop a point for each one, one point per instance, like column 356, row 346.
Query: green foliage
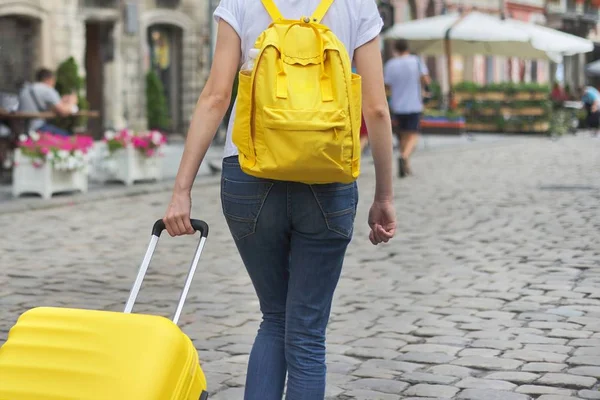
column 467, row 87
column 450, row 114
column 157, row 112
column 67, row 77
column 69, row 81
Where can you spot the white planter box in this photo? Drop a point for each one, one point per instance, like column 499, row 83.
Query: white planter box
column 129, row 165
column 45, row 180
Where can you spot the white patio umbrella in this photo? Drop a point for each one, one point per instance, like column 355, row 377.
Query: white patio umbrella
column 552, row 41
column 471, row 34
column 593, row 68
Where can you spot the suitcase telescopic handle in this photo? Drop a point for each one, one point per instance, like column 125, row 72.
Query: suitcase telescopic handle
column 157, row 229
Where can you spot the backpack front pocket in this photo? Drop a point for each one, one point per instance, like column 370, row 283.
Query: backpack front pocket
column 313, row 143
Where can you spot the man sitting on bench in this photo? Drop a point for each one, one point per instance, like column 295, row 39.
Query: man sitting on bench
column 42, row 96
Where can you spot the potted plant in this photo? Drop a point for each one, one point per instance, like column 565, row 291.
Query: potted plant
column 46, row 164
column 131, row 157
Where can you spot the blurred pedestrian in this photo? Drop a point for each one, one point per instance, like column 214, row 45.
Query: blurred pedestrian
column 42, row 96
column 291, row 236
column 590, row 96
column 405, row 75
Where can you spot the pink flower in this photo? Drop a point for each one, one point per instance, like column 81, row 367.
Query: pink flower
column 37, row 164
column 150, row 152
column 44, row 150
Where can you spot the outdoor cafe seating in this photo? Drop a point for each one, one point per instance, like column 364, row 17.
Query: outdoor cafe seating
column 14, row 123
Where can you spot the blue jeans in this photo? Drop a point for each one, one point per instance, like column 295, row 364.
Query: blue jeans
column 292, row 238
column 55, row 130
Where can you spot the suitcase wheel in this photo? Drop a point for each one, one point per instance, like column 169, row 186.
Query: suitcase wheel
column 204, row 395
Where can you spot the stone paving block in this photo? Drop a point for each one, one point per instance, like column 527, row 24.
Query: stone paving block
column 424, row 377
column 587, row 351
column 426, row 358
column 489, row 394
column 378, row 343
column 389, row 365
column 479, row 352
column 449, row 340
column 549, row 348
column 378, row 385
column 377, row 373
column 229, row 394
column 589, row 394
column 567, row 380
column 585, row 343
column 538, row 339
column 556, row 397
column 515, row 377
column 539, row 317
column 431, row 348
column 535, row 356
column 364, row 352
column 477, row 383
column 585, row 371
column 570, row 334
column 540, row 389
column 488, row 363
column 544, row 367
column 497, row 344
column 451, row 370
column 360, row 394
column 435, row 391
column 554, row 325
column 584, row 360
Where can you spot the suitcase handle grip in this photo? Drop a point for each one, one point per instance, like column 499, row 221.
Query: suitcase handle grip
column 198, row 225
column 157, row 229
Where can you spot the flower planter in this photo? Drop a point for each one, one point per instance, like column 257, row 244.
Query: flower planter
column 481, row 127
column 492, row 96
column 129, row 165
column 529, row 111
column 45, row 180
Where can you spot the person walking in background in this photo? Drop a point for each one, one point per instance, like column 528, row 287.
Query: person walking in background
column 42, row 96
column 405, row 76
column 291, row 236
column 591, row 101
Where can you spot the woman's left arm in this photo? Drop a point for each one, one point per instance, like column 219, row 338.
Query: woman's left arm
column 208, row 114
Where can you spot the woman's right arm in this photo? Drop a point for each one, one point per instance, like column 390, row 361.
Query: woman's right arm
column 382, row 217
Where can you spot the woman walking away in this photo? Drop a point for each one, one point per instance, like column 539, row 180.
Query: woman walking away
column 289, row 195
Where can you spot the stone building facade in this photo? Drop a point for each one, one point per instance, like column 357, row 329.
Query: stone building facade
column 115, row 43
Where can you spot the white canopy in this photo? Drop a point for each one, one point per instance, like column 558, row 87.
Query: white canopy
column 484, row 34
column 552, row 40
column 593, row 68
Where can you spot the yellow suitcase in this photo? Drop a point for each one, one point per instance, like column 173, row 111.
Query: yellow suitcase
column 73, row 354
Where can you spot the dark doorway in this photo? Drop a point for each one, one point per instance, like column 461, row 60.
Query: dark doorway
column 98, row 51
column 165, row 44
column 19, row 42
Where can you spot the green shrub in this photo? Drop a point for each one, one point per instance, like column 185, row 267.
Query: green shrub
column 157, row 112
column 68, row 81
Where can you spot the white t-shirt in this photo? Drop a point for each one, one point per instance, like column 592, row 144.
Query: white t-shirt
column 355, row 22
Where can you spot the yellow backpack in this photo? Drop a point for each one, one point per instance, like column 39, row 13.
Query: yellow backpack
column 298, row 110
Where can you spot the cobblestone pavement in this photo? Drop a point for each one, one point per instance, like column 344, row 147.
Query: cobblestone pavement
column 491, row 290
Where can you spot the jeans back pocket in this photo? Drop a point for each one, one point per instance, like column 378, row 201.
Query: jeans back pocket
column 242, row 203
column 338, row 202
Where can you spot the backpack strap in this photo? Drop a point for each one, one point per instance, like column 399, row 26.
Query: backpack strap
column 321, row 11
column 272, row 10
